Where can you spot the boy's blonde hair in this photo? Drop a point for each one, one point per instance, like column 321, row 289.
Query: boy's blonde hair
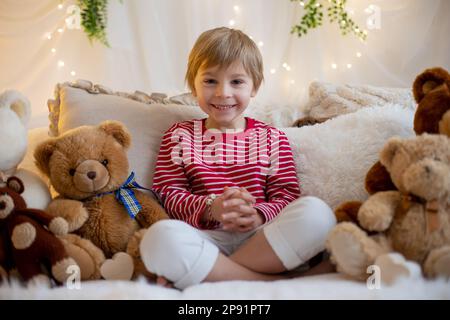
column 223, row 46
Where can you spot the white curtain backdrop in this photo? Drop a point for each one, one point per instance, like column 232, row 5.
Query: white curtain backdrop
column 150, row 41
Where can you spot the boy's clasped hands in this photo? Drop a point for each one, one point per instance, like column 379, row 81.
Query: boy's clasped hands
column 234, row 209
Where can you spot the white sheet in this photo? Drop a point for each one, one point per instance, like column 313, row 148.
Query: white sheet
column 327, row 286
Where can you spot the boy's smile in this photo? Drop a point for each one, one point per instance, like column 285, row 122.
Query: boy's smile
column 224, row 93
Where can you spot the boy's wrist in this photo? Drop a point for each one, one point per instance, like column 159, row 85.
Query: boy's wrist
column 208, row 215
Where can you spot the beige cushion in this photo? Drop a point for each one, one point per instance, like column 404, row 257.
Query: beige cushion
column 327, row 100
column 332, row 158
column 146, row 121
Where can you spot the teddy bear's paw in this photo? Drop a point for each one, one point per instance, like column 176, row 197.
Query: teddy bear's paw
column 346, row 244
column 120, row 267
column 393, row 266
column 88, row 257
column 58, row 226
column 23, row 235
column 40, row 280
column 72, row 211
column 377, row 212
column 64, row 268
column 438, row 263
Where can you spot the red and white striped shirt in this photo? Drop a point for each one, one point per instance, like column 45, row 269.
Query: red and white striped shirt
column 194, row 162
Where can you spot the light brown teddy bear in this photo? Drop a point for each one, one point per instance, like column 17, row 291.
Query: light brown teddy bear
column 413, row 221
column 431, row 91
column 88, row 167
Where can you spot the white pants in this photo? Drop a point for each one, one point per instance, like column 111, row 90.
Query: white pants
column 185, row 255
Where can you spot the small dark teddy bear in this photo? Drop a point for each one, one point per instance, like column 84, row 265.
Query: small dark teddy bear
column 25, row 243
column 431, row 91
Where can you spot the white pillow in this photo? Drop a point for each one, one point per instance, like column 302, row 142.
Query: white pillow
column 332, row 158
column 146, row 122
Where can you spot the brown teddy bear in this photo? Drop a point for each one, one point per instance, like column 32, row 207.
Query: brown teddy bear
column 25, row 243
column 88, row 167
column 413, row 221
column 431, row 91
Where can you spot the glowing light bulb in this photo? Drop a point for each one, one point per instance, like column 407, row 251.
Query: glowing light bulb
column 60, row 63
column 302, row 3
column 349, row 65
column 49, row 36
column 231, row 22
column 53, row 50
column 73, row 73
column 60, row 30
column 334, row 65
column 272, row 71
column 358, row 54
column 285, row 65
column 260, row 43
column 60, row 6
column 236, row 8
column 288, row 68
column 292, row 82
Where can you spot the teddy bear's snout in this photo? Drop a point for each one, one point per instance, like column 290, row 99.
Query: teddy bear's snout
column 91, row 176
column 6, row 206
column 427, row 179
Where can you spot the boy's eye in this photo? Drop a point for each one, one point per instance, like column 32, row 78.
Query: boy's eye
column 237, row 82
column 209, row 81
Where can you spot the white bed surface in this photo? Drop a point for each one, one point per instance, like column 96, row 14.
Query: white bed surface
column 327, row 286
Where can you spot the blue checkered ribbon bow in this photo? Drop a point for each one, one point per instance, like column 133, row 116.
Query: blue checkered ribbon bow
column 125, row 195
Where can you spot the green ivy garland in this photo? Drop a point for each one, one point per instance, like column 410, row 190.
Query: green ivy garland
column 313, row 17
column 94, row 15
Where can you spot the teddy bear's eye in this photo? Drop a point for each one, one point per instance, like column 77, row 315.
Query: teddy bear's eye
column 105, row 162
column 72, row 172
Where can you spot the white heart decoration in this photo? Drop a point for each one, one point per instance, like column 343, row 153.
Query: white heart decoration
column 120, row 267
column 393, row 266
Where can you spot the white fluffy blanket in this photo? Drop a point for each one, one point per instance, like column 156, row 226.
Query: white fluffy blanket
column 327, row 286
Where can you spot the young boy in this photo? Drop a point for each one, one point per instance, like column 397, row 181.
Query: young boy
column 228, row 181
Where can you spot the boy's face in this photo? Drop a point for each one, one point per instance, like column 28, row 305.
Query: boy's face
column 224, row 94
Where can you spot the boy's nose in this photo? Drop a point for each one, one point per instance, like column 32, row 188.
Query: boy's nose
column 223, row 91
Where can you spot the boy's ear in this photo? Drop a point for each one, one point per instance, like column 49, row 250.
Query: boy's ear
column 254, row 92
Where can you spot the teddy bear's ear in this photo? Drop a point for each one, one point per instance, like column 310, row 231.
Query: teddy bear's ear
column 18, row 103
column 429, row 80
column 16, row 184
column 389, row 150
column 42, row 155
column 118, row 131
